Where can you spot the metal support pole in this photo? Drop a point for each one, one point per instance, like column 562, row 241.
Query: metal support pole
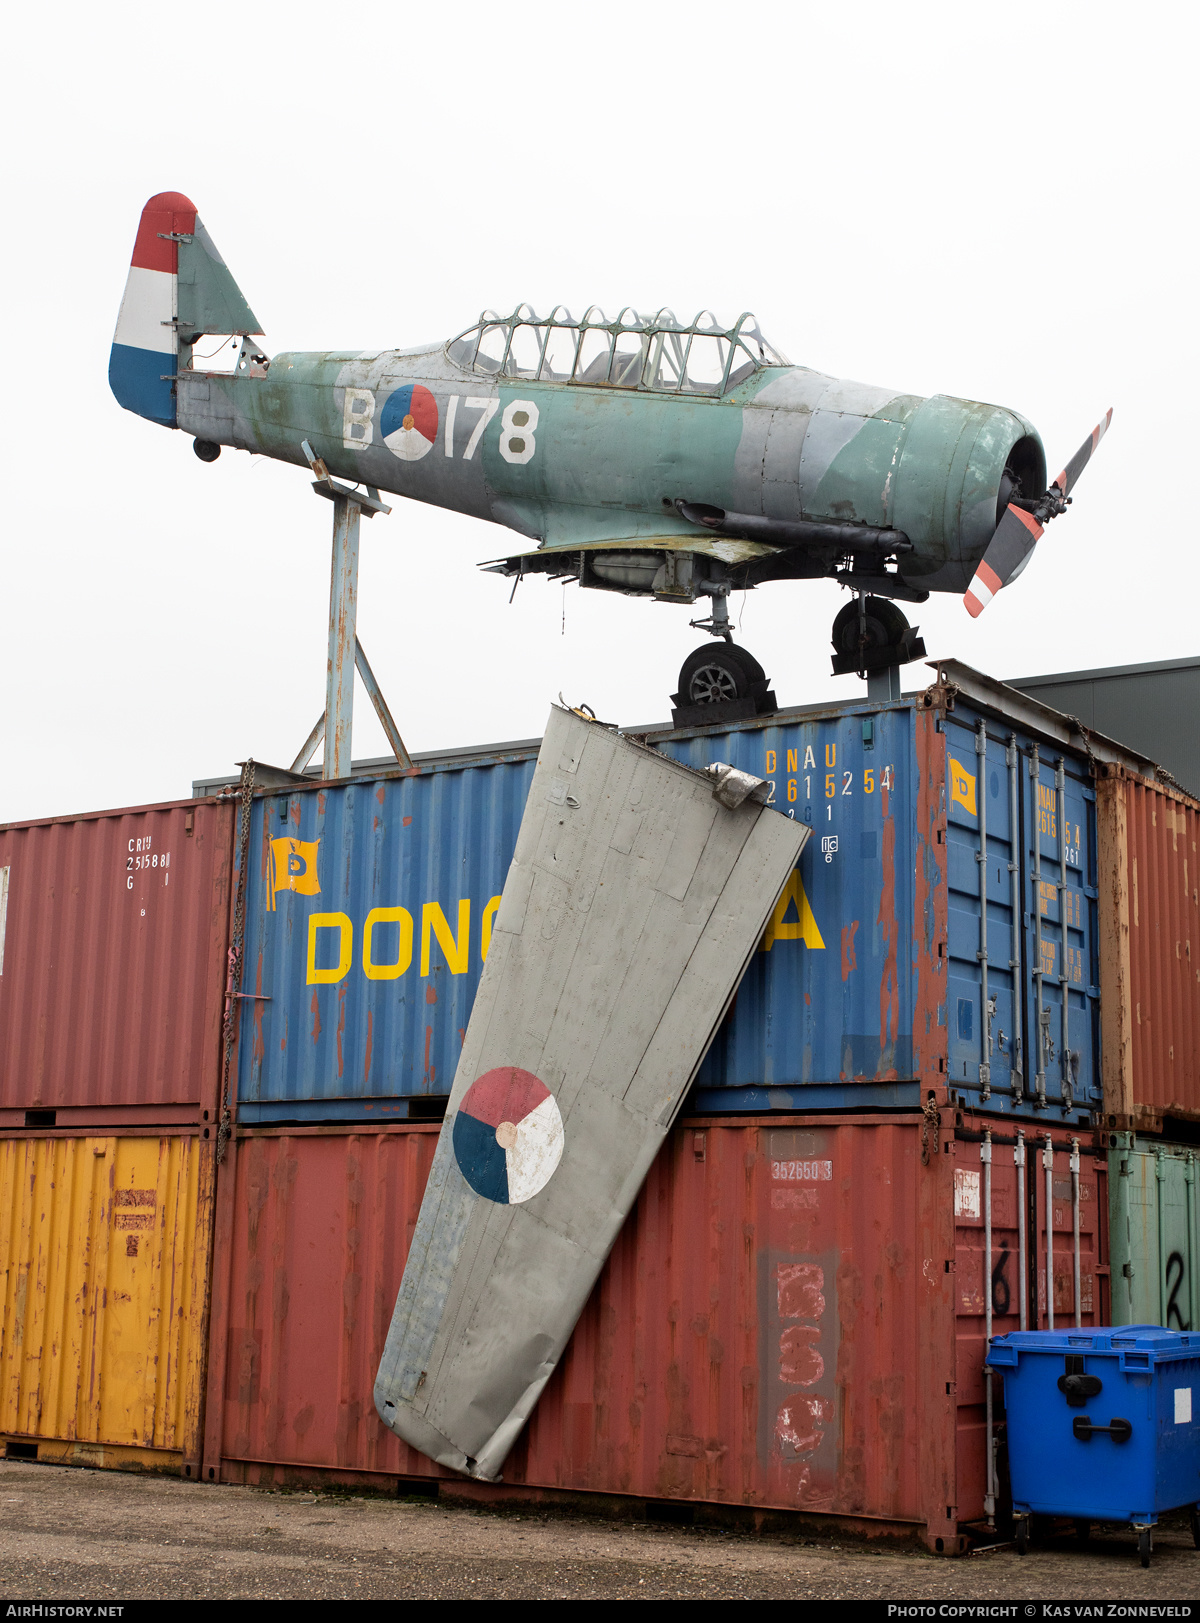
column 981, row 857
column 343, row 614
column 1017, row 1068
column 1075, row 1224
column 883, row 685
column 1022, row 1259
column 985, row 1155
column 1048, row 1165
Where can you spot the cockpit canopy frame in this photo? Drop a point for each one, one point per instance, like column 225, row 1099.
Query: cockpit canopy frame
column 656, row 353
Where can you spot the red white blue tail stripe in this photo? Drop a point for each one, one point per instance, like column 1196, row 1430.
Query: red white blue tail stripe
column 141, row 368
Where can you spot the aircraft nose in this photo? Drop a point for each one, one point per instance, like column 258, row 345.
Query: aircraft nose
column 949, row 484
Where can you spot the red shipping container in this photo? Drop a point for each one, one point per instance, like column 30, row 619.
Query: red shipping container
column 1149, row 951
column 792, row 1319
column 114, row 929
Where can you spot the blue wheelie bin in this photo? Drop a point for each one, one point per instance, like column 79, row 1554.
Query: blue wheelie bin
column 1103, row 1425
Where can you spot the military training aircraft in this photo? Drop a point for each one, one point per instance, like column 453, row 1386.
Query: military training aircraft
column 665, row 459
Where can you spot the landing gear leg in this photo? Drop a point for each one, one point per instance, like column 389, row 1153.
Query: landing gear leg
column 717, row 623
column 724, row 683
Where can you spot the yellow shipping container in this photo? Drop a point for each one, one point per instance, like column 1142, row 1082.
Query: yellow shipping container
column 105, row 1269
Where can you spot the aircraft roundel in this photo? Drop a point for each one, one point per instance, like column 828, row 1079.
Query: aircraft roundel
column 508, row 1136
column 408, row 424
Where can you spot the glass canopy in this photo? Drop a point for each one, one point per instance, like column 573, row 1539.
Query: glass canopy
column 631, row 352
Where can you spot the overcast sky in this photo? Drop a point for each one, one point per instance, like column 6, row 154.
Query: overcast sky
column 992, row 202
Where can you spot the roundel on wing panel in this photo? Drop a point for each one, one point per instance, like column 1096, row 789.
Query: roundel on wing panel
column 408, row 423
column 508, row 1135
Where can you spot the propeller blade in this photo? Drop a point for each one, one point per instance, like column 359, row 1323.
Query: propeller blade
column 1018, row 532
column 1016, row 536
column 1070, row 474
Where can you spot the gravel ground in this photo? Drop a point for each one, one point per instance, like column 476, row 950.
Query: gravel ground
column 103, row 1536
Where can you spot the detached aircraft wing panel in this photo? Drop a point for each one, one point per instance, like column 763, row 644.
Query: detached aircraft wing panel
column 634, row 902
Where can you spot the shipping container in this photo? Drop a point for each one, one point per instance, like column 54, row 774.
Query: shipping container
column 369, row 913
column 105, row 1255
column 878, row 968
column 793, row 1318
column 371, row 901
column 1155, row 1233
column 1150, row 950
column 113, row 936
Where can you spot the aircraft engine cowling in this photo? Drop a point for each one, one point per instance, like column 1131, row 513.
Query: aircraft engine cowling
column 938, row 471
column 960, row 462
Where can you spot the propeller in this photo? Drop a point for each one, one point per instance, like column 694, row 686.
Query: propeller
column 1020, row 529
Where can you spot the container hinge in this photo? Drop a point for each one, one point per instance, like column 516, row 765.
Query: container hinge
column 1127, row 1270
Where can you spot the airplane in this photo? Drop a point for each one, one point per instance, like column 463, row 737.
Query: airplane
column 663, row 459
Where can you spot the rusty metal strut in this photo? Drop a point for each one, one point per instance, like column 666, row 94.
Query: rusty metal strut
column 233, row 976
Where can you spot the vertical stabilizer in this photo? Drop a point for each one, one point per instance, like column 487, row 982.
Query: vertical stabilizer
column 141, row 368
column 179, row 288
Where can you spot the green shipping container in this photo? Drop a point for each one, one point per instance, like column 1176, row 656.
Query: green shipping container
column 1155, row 1238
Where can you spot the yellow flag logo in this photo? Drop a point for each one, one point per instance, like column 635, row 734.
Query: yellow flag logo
column 802, row 926
column 292, row 866
column 962, row 786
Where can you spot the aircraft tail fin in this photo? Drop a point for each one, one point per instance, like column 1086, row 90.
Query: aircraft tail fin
column 179, row 288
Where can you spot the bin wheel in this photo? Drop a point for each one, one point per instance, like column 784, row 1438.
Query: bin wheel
column 1196, row 1526
column 1083, row 1531
column 1144, row 1546
column 1022, row 1535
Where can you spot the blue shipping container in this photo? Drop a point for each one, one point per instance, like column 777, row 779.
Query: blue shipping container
column 370, row 904
column 369, row 909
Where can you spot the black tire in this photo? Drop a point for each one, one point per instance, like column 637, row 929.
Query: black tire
column 1144, row 1546
column 749, row 664
column 885, row 625
column 716, row 674
column 1083, row 1531
column 1022, row 1535
column 206, row 450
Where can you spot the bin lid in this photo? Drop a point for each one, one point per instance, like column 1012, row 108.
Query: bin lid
column 1154, row 1344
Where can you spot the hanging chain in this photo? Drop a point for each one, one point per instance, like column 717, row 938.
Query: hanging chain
column 234, row 972
column 930, row 1127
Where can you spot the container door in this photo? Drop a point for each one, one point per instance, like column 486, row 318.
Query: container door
column 1061, row 993
column 1156, row 1235
column 984, row 1041
column 1175, row 1175
column 1080, row 1278
column 105, row 1255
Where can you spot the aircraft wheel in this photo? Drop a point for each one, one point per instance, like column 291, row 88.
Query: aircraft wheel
column 206, row 450
column 1022, row 1535
column 885, row 625
column 717, row 674
column 1144, row 1545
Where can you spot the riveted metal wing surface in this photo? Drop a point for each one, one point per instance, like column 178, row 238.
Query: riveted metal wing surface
column 637, row 895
